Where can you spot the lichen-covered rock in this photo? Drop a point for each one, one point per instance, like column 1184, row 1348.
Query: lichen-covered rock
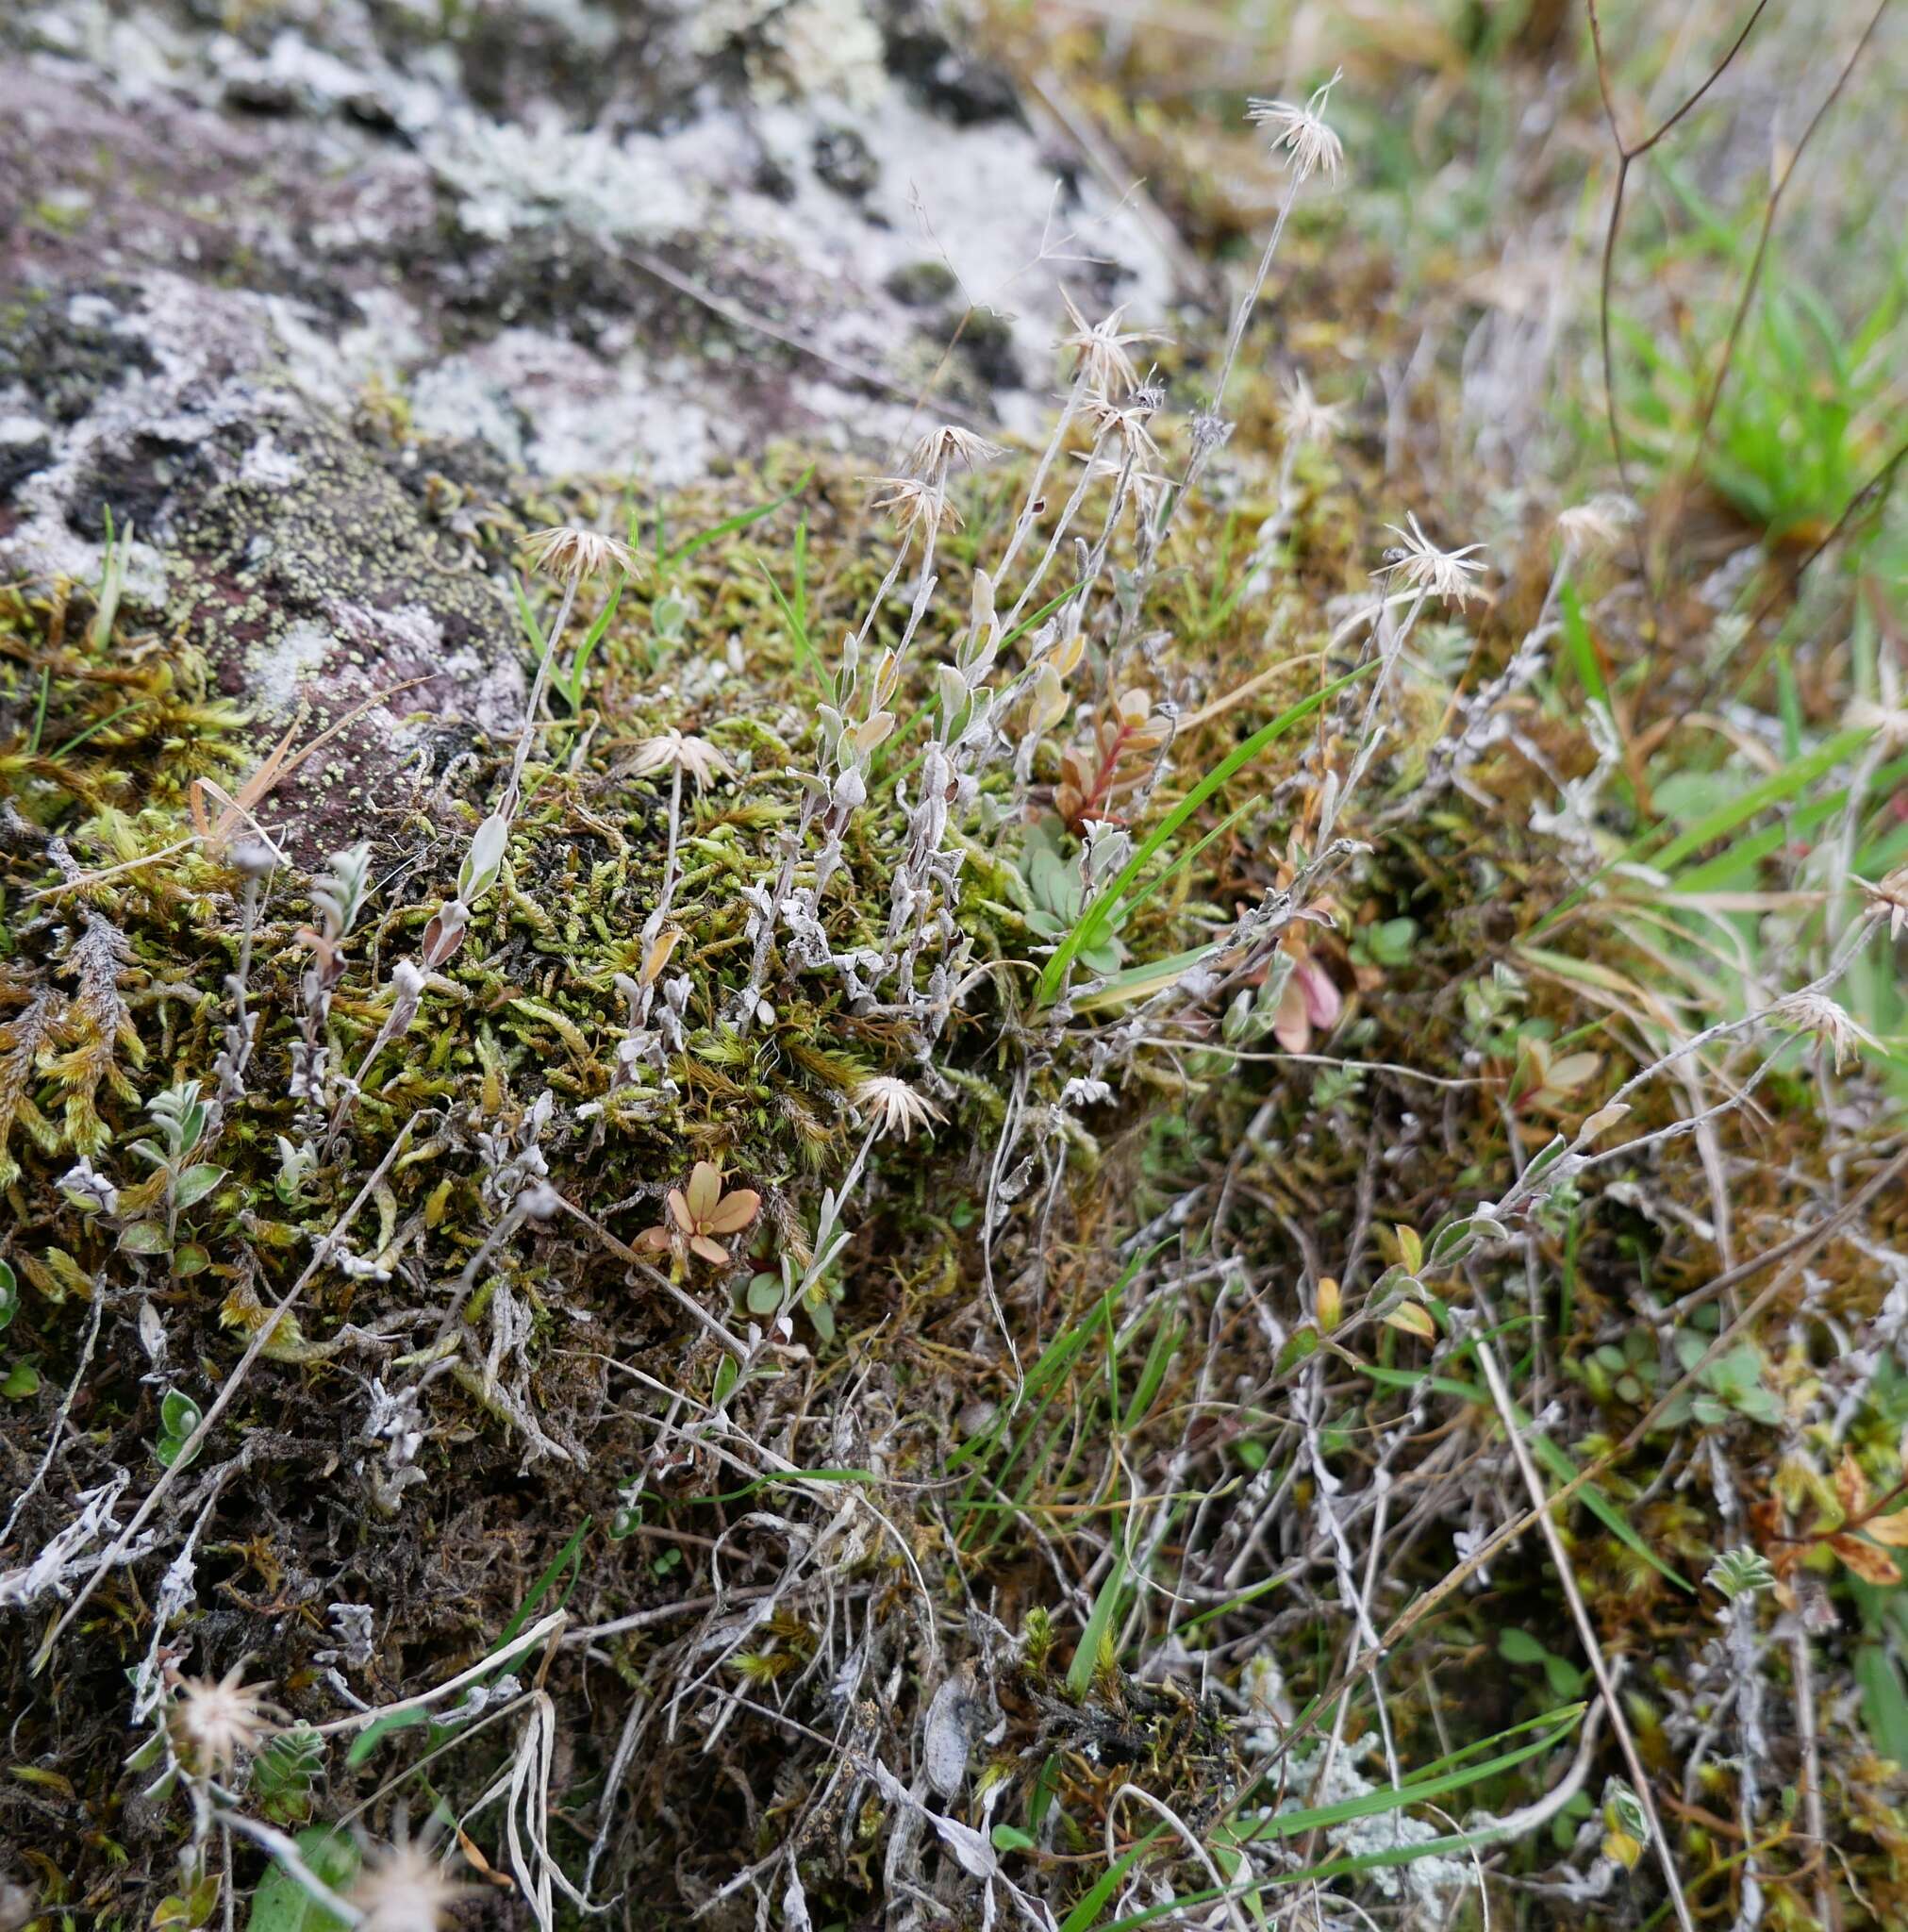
column 258, row 523
column 642, row 240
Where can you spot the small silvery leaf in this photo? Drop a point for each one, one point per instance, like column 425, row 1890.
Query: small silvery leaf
column 944, row 1742
column 88, row 1190
column 340, row 896
column 484, row 860
column 152, row 1332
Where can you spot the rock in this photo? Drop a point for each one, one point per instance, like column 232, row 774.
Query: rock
column 638, row 240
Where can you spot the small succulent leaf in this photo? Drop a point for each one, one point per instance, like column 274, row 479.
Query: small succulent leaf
column 733, row 1213
column 705, row 1190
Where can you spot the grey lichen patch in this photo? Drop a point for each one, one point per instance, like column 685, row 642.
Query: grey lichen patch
column 313, row 584
column 59, row 354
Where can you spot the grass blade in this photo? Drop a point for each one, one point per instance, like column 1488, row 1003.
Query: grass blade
column 1098, row 918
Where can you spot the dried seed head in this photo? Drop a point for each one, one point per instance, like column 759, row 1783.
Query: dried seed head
column 1306, row 419
column 1816, row 1013
column 1436, row 573
column 695, row 756
column 1144, row 487
column 214, row 1721
column 570, row 555
column 1308, row 144
column 404, row 1890
column 892, row 1107
column 1101, row 349
column 1891, row 895
column 915, row 505
column 1596, row 527
column 941, row 449
column 1125, row 428
column 1889, row 721
column 256, row 858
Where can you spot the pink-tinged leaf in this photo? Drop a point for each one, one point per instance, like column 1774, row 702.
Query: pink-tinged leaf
column 1291, row 1028
column 733, row 1213
column 679, row 1209
column 710, row 1251
column 1323, row 1002
column 705, row 1191
column 654, row 1240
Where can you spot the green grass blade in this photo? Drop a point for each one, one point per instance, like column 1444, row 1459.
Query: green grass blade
column 1086, row 1654
column 1460, row 1778
column 1096, row 921
column 1109, row 1881
column 1555, row 1457
column 729, row 525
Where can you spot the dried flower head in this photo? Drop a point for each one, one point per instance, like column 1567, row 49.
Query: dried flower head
column 1831, row 1022
column 1308, row 144
column 892, row 1107
column 1145, row 487
column 1306, row 419
column 700, row 1210
column 1596, row 527
column 695, row 756
column 1124, row 425
column 936, row 452
column 214, row 1721
column 1426, row 568
column 1889, row 721
column 915, row 505
column 1892, row 894
column 1101, row 349
column 570, row 555
column 405, row 1888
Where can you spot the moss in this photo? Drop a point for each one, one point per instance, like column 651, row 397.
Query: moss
column 971, row 1368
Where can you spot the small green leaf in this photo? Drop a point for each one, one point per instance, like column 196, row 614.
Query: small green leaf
column 281, row 1903
column 376, row 1733
column 143, row 1238
column 1010, row 1838
column 23, row 1379
column 1521, row 1647
column 1564, row 1677
column 178, row 1414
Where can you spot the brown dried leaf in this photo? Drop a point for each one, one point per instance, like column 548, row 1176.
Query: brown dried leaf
column 1871, row 1564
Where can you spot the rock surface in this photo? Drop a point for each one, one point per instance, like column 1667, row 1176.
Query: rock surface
column 561, row 237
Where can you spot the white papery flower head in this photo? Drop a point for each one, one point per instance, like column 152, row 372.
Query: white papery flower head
column 1829, row 1021
column 1308, row 144
column 892, row 1107
column 1437, row 573
column 570, row 554
column 215, row 1720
